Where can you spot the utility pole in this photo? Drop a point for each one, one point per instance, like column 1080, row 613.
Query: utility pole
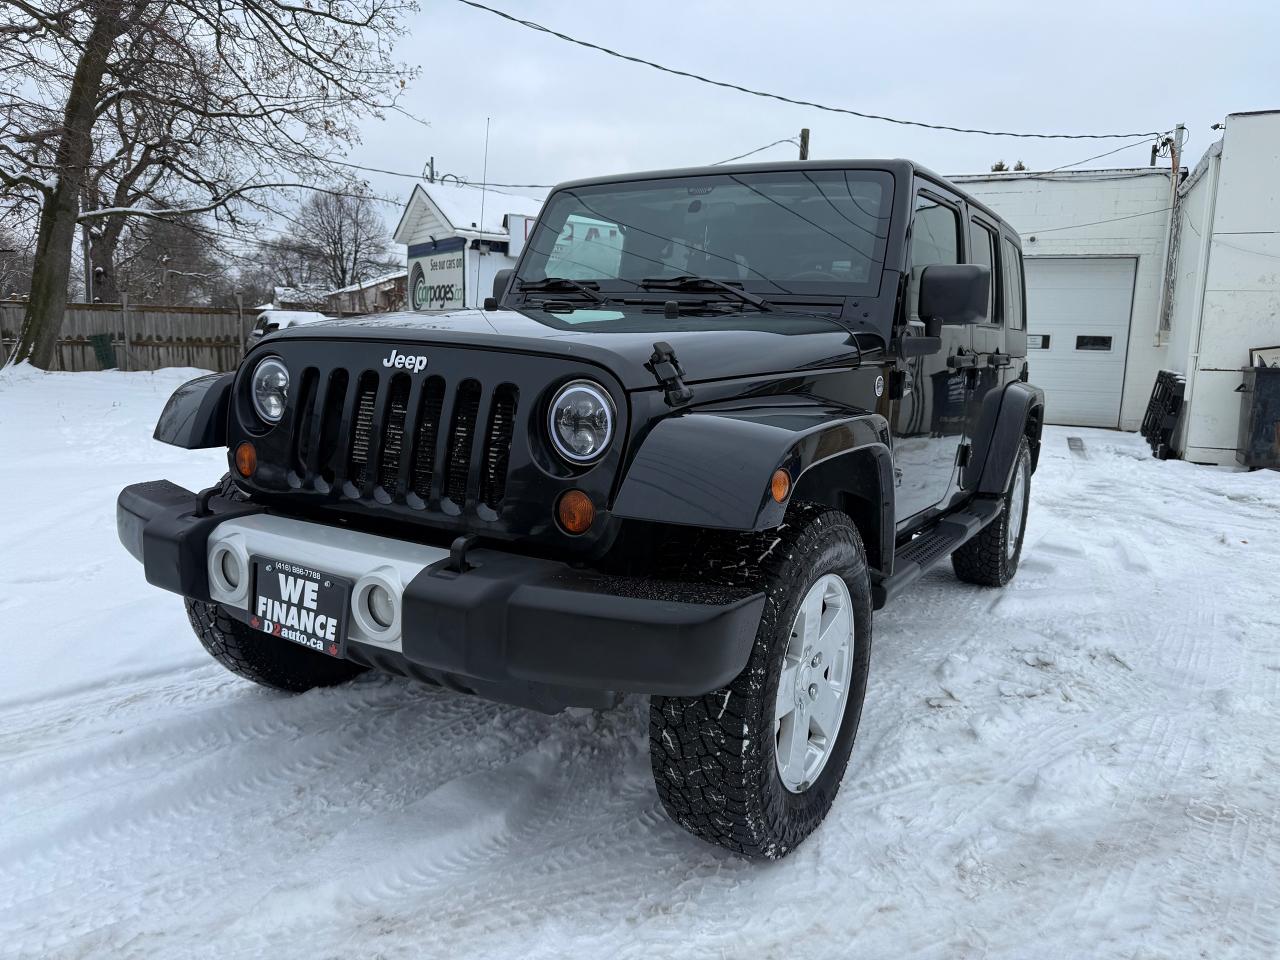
column 1164, row 314
column 804, row 144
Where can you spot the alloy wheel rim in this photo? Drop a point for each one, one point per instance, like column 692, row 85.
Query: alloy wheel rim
column 813, row 687
column 1017, row 509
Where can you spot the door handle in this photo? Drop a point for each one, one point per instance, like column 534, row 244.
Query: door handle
column 962, row 361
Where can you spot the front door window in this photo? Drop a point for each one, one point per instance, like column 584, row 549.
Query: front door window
column 929, row 418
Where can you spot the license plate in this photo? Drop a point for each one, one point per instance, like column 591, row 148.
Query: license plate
column 297, row 603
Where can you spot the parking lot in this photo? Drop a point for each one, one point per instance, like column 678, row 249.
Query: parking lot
column 1086, row 757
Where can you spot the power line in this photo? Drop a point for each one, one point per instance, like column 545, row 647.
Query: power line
column 420, row 177
column 1094, row 223
column 751, row 153
column 1077, row 163
column 530, row 24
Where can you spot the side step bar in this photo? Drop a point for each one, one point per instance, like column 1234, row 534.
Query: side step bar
column 918, row 556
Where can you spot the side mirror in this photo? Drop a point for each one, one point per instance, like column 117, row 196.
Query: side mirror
column 501, row 280
column 954, row 293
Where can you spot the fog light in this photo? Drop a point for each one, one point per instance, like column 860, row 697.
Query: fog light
column 382, row 606
column 230, row 565
column 246, row 459
column 780, row 485
column 575, row 511
column 228, row 575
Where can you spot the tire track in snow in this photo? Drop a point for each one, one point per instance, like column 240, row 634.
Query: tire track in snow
column 195, row 882
column 240, row 715
column 116, row 837
column 1224, row 883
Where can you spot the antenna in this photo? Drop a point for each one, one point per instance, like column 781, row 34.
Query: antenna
column 484, row 185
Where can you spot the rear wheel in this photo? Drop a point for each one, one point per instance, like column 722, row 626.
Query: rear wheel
column 991, row 558
column 755, row 765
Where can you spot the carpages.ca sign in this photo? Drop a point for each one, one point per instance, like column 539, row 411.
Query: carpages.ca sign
column 437, row 275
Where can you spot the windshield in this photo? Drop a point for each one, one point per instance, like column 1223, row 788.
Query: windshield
column 780, row 232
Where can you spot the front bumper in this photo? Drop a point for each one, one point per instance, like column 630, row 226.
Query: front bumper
column 520, row 629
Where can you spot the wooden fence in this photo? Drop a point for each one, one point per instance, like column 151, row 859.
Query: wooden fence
column 144, row 337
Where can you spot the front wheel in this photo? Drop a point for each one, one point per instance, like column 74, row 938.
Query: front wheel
column 264, row 659
column 754, row 766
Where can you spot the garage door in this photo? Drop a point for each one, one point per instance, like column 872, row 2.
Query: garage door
column 1078, row 311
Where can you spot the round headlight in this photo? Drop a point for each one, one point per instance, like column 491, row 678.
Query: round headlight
column 581, row 421
column 270, row 389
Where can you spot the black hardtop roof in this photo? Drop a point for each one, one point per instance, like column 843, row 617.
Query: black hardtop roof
column 900, row 168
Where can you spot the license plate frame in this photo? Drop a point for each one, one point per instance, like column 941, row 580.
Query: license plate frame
column 289, row 600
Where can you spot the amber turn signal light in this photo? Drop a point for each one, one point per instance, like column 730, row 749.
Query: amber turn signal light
column 780, row 485
column 246, row 459
column 575, row 511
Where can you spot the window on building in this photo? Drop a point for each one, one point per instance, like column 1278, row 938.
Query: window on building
column 983, row 242
column 1012, row 260
column 935, row 233
column 1093, row 343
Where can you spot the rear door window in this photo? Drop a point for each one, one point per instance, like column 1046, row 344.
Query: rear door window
column 1012, row 262
column 983, row 252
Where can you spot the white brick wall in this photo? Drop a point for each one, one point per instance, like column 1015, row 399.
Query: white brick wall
column 1038, row 204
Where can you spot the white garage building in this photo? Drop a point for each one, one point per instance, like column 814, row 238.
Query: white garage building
column 1127, row 276
column 1094, row 244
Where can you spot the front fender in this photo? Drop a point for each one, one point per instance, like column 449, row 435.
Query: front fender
column 196, row 415
column 712, row 467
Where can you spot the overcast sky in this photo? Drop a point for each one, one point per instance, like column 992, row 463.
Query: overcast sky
column 559, row 111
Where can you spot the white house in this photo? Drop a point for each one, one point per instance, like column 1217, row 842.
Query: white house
column 375, row 295
column 458, row 236
column 1132, row 271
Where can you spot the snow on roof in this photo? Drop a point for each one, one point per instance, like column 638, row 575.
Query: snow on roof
column 304, row 296
column 462, row 206
column 366, row 284
column 458, row 206
column 288, row 318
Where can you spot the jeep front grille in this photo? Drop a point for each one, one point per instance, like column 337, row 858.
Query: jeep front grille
column 384, row 437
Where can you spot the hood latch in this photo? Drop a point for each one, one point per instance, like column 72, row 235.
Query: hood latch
column 667, row 371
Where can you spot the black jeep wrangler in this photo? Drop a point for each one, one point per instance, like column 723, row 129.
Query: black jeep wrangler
column 710, row 421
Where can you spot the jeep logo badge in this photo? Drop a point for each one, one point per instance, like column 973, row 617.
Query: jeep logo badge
column 416, row 363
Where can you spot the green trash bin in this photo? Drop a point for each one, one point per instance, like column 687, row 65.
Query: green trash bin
column 103, row 351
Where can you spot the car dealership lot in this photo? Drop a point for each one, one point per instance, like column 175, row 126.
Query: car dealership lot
column 1082, row 764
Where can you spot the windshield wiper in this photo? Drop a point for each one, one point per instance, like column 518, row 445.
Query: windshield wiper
column 689, row 282
column 564, row 283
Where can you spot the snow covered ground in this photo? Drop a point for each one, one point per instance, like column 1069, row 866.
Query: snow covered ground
column 1085, row 764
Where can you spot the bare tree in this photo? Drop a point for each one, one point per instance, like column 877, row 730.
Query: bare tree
column 15, row 263
column 170, row 262
column 112, row 110
column 285, row 262
column 344, row 236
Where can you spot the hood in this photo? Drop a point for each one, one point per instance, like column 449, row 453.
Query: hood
column 620, row 339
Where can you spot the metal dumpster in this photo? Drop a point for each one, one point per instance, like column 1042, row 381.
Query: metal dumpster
column 1259, row 442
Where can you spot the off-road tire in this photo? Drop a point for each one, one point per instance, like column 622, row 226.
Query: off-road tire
column 266, row 660
column 986, row 559
column 254, row 655
column 713, row 757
